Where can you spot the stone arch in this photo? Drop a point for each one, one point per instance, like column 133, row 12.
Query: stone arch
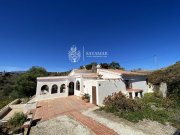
column 62, row 88
column 77, row 85
column 44, row 90
column 54, row 89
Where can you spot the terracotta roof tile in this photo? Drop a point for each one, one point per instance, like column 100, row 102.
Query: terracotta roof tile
column 125, row 72
column 134, row 90
column 92, row 75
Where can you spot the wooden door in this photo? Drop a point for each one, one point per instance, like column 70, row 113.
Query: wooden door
column 94, row 95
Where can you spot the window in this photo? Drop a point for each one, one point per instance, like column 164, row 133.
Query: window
column 77, row 85
column 62, row 88
column 128, row 84
column 54, row 89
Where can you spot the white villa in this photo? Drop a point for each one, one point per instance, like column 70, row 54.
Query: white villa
column 98, row 83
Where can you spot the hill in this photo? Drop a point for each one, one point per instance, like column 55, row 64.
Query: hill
column 169, row 75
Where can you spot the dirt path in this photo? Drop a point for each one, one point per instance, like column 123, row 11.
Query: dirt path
column 124, row 127
column 96, row 127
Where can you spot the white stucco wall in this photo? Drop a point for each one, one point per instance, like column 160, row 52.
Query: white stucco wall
column 138, row 82
column 107, row 87
column 50, row 83
column 87, row 87
column 77, row 92
column 150, row 87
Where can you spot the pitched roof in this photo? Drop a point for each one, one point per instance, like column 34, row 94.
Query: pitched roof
column 123, row 72
column 83, row 71
column 91, row 75
column 51, row 77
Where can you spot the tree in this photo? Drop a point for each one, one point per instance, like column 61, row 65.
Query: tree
column 112, row 65
column 89, row 66
column 26, row 82
column 115, row 65
column 104, row 65
column 7, row 83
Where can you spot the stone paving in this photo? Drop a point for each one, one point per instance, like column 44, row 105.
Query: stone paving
column 49, row 109
column 96, row 127
column 71, row 106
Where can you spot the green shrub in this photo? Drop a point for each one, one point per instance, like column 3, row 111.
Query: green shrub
column 151, row 98
column 119, row 102
column 5, row 101
column 17, row 120
column 158, row 94
column 168, row 103
column 87, row 96
column 148, row 97
column 149, row 107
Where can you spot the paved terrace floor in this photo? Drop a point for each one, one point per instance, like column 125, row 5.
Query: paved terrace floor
column 48, row 109
column 71, row 106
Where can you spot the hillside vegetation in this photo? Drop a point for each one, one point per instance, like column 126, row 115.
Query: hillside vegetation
column 151, row 107
column 21, row 85
column 169, row 75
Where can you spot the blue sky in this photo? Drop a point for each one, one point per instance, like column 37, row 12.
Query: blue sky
column 40, row 33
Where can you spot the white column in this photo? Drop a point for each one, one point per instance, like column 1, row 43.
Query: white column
column 133, row 94
column 66, row 88
column 82, row 85
column 38, row 89
column 139, row 95
column 50, row 86
column 59, row 86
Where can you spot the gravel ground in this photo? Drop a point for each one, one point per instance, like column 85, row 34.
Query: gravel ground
column 62, row 125
column 124, row 127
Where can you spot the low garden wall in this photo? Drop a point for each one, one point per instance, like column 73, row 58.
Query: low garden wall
column 7, row 108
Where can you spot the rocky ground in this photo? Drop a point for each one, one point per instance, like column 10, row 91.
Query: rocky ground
column 62, row 125
column 124, row 127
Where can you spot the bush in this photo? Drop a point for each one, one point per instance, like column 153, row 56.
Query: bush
column 119, row 102
column 150, row 98
column 168, row 103
column 87, row 96
column 171, row 76
column 17, row 120
column 5, row 101
column 158, row 94
column 149, row 107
